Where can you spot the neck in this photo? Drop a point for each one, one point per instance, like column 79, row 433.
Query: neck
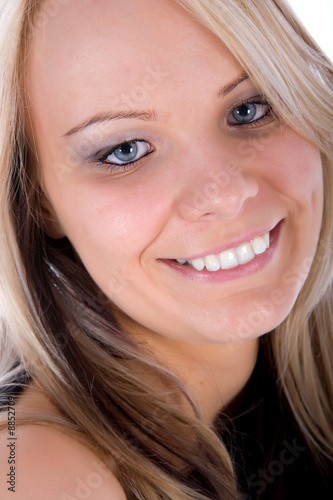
column 214, row 375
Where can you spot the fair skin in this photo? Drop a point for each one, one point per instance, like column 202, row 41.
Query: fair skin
column 172, row 205
column 50, row 464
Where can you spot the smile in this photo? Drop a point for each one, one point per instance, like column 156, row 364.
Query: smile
column 232, row 257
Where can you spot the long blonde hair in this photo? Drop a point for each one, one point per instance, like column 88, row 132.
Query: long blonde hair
column 59, row 327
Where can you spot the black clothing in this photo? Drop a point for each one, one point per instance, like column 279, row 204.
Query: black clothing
column 272, row 458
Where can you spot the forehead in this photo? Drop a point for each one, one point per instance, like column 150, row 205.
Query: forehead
column 92, row 51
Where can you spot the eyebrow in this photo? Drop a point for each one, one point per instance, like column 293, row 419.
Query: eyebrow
column 149, row 115
column 113, row 115
column 232, row 85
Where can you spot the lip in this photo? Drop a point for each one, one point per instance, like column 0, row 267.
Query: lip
column 233, row 244
column 241, row 271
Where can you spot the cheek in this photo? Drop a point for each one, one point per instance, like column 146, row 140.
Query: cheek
column 293, row 166
column 111, row 223
column 295, row 173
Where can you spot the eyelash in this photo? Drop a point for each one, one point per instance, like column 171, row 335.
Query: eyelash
column 258, row 100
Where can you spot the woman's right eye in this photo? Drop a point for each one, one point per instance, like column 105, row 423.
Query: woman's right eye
column 126, row 153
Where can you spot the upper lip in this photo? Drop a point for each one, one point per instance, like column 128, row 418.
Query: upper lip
column 232, row 244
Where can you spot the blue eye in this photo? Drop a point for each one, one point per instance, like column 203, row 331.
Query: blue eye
column 249, row 112
column 126, row 153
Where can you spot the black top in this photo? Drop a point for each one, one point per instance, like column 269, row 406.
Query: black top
column 272, row 458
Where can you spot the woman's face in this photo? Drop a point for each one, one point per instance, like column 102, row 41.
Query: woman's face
column 110, row 83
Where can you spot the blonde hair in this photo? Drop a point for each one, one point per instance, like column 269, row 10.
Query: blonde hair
column 58, row 326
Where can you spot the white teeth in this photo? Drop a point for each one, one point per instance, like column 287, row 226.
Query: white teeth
column 198, row 264
column 245, row 253
column 259, row 245
column 212, row 263
column 265, row 237
column 232, row 257
column 229, row 259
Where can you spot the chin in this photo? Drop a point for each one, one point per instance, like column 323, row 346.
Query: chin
column 242, row 327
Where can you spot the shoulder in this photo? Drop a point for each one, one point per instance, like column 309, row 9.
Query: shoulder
column 43, row 462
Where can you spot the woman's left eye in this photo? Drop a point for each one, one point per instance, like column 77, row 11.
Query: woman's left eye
column 126, row 153
column 248, row 113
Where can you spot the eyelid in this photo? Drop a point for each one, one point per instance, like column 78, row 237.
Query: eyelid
column 258, row 99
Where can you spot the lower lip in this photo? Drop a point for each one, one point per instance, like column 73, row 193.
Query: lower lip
column 257, row 264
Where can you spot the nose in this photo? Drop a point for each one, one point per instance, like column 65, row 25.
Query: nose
column 221, row 191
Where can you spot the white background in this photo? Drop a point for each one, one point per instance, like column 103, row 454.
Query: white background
column 317, row 17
